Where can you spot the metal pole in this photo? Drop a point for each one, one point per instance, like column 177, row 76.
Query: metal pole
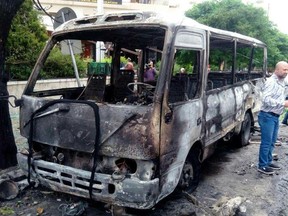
column 73, row 57
column 100, row 7
column 100, row 11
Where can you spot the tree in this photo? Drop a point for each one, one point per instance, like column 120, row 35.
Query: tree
column 235, row 16
column 8, row 150
column 25, row 41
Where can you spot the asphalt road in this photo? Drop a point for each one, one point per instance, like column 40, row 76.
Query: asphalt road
column 230, row 185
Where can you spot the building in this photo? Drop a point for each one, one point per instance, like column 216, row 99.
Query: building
column 92, row 7
column 80, row 8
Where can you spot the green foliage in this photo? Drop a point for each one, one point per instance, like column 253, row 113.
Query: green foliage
column 176, row 68
column 106, row 60
column 26, row 39
column 19, row 71
column 185, row 59
column 60, row 66
column 6, row 211
column 123, row 60
column 235, row 16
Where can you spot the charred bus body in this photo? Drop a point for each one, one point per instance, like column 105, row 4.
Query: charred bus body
column 123, row 141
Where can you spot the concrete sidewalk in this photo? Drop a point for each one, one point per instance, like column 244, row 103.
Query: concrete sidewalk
column 21, row 142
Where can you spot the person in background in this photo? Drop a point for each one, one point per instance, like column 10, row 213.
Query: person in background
column 150, row 61
column 208, row 68
column 150, row 73
column 183, row 71
column 273, row 104
column 129, row 65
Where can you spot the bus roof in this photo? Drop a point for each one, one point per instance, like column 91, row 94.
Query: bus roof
column 143, row 18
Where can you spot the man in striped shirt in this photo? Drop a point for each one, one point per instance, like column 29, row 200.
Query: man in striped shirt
column 273, row 104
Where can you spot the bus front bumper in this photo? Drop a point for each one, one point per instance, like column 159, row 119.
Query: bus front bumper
column 126, row 192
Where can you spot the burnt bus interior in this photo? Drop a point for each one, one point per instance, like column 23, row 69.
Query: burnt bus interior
column 185, row 81
column 229, row 63
column 232, row 62
column 118, row 85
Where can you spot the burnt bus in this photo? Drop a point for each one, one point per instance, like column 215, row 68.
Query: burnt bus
column 120, row 140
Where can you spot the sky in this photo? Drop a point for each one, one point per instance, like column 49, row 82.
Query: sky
column 277, row 11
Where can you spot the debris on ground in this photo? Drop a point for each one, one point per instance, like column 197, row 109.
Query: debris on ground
column 74, row 209
column 12, row 180
column 230, row 185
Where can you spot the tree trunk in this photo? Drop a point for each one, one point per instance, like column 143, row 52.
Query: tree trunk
column 8, row 150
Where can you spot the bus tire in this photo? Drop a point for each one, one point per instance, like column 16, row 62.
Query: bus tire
column 243, row 138
column 190, row 174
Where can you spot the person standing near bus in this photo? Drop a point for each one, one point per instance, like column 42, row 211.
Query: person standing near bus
column 129, row 65
column 150, row 73
column 273, row 104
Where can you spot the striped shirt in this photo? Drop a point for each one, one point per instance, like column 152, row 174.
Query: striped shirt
column 273, row 95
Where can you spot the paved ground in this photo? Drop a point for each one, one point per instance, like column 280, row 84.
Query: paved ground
column 230, row 185
column 21, row 142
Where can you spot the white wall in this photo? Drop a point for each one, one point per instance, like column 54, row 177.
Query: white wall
column 16, row 88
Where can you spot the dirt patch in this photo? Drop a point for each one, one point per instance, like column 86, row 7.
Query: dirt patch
column 230, row 185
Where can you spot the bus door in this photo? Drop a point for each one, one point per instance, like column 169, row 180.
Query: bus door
column 182, row 108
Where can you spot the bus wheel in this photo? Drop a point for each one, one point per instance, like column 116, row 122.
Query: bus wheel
column 244, row 136
column 190, row 175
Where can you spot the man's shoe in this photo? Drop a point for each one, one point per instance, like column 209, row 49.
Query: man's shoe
column 266, row 170
column 274, row 166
